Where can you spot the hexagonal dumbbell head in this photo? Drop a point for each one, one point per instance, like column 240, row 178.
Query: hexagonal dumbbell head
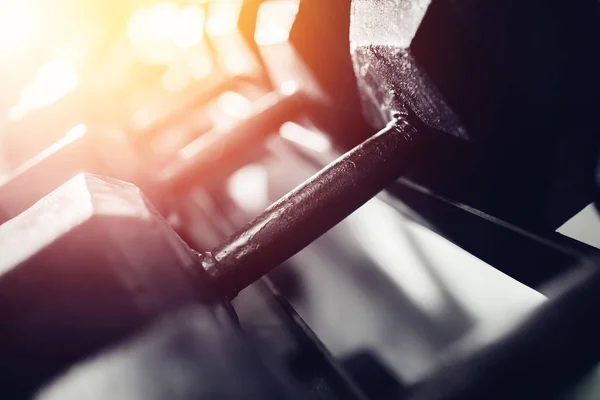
column 86, row 265
column 504, row 67
column 388, row 76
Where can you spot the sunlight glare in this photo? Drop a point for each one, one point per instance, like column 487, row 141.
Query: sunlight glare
column 157, row 31
column 52, row 81
column 274, row 21
column 19, row 25
column 223, row 17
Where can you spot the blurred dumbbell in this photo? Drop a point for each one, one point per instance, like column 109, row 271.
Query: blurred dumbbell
column 126, row 154
column 105, row 152
column 114, row 154
column 95, row 247
column 129, row 157
column 220, row 152
column 147, row 134
column 86, row 265
column 297, row 41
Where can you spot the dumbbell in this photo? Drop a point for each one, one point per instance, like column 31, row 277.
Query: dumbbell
column 286, row 41
column 275, row 235
column 126, row 156
column 492, row 66
column 146, row 134
column 517, row 78
column 387, row 75
column 281, row 231
column 218, row 153
column 317, row 205
column 114, row 154
column 95, row 247
column 106, row 152
column 86, row 265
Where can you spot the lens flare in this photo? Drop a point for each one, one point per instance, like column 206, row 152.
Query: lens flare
column 190, row 27
column 223, row 17
column 305, row 137
column 235, row 105
column 157, row 32
column 19, row 23
column 52, row 81
column 274, row 21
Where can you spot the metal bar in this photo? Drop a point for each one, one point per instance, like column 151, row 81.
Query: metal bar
column 209, row 93
column 539, row 358
column 312, row 209
column 541, row 256
column 217, row 150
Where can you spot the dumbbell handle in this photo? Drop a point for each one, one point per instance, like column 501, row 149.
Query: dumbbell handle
column 218, row 150
column 312, row 208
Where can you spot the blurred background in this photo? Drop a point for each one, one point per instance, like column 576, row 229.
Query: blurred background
column 110, row 64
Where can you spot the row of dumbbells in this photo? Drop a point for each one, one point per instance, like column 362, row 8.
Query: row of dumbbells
column 92, row 263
